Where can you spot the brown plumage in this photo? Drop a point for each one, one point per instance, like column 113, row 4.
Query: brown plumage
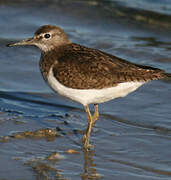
column 79, row 67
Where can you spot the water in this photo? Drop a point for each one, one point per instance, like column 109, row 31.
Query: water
column 158, row 6
column 132, row 136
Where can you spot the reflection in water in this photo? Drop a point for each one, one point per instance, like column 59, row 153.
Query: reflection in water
column 90, row 171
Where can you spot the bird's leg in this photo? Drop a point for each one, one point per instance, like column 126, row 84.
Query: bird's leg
column 91, row 121
column 86, row 136
column 96, row 114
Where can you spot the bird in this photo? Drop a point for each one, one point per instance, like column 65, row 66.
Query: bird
column 86, row 75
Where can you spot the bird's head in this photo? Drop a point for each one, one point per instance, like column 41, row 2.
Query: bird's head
column 46, row 38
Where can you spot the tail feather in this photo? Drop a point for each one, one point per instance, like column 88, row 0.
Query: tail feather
column 167, row 75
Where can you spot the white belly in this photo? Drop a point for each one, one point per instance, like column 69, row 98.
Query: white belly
column 92, row 96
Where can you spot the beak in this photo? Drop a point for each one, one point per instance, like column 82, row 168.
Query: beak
column 25, row 42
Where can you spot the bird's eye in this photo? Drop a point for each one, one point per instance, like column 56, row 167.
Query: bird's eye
column 47, row 36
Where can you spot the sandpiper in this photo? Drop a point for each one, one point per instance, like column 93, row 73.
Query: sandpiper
column 86, row 75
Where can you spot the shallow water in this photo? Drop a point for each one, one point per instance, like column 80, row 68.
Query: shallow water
column 131, row 139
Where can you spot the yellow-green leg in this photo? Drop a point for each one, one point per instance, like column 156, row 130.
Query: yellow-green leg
column 96, row 114
column 91, row 121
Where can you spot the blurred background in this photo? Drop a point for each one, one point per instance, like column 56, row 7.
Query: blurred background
column 132, row 137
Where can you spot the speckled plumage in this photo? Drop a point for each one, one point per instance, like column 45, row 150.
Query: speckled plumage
column 79, row 67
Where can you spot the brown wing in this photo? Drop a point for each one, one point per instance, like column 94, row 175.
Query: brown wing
column 85, row 68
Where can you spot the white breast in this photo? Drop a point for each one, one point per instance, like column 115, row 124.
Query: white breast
column 92, row 96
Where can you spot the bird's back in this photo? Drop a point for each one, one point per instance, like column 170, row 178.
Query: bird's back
column 80, row 67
